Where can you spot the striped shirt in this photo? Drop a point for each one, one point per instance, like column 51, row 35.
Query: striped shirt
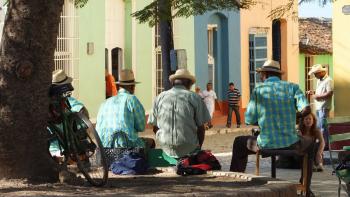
column 123, row 112
column 233, row 97
column 273, row 106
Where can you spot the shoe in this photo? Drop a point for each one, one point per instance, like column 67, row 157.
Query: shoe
column 228, row 125
column 319, row 168
column 210, row 126
column 238, row 126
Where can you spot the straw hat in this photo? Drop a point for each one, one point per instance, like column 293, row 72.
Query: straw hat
column 59, row 77
column 182, row 73
column 126, row 77
column 317, row 68
column 270, row 66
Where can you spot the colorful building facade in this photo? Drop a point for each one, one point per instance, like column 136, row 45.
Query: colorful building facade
column 221, row 46
column 315, row 35
column 341, row 57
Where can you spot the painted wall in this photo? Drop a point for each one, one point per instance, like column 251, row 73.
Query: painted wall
column 317, row 59
column 115, row 27
column 142, row 56
column 341, row 58
column 227, row 54
column 248, row 20
column 128, row 34
column 91, row 67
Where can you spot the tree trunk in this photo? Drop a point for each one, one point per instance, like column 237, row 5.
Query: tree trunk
column 166, row 41
column 26, row 63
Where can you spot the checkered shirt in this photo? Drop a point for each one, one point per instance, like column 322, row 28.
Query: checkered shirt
column 123, row 112
column 273, row 106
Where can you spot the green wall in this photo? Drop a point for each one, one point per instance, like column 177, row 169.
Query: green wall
column 128, row 34
column 91, row 67
column 144, row 56
column 318, row 59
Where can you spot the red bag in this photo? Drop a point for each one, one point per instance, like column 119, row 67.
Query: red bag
column 197, row 163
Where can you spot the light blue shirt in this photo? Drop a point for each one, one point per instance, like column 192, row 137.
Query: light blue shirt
column 273, row 105
column 178, row 113
column 123, row 112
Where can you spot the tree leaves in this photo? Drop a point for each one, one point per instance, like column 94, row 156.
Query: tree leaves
column 186, row 8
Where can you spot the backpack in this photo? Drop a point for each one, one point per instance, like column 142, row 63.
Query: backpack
column 197, row 163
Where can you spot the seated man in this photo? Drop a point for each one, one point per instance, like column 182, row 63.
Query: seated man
column 178, row 117
column 62, row 83
column 272, row 106
column 123, row 112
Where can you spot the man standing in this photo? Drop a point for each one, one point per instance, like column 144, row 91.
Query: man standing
column 273, row 107
column 209, row 97
column 178, row 117
column 233, row 96
column 323, row 97
column 122, row 112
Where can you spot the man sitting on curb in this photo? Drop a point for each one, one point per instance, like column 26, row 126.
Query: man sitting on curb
column 178, row 117
column 123, row 112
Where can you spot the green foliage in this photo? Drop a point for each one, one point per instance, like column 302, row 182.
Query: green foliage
column 186, row 8
column 80, row 3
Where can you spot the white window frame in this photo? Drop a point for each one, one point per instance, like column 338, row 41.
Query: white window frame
column 67, row 47
column 253, row 60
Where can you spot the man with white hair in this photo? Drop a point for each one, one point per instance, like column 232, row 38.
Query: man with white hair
column 323, row 97
column 178, row 117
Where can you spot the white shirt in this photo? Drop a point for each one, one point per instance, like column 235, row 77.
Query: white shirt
column 209, row 100
column 324, row 85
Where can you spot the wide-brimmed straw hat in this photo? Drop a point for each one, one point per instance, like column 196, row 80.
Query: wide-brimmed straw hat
column 270, row 66
column 182, row 73
column 126, row 77
column 59, row 77
column 317, row 68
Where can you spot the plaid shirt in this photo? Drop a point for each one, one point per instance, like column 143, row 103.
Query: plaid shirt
column 273, row 106
column 123, row 112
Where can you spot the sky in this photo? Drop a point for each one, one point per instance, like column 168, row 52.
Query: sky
column 313, row 9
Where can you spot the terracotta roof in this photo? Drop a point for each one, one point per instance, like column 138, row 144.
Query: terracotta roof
column 318, row 31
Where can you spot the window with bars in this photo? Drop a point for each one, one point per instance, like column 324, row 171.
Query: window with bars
column 257, row 56
column 158, row 58
column 67, row 48
column 309, row 82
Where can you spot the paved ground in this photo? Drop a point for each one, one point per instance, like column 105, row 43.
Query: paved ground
column 219, row 140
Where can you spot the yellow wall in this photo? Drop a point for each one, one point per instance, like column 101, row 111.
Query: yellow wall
column 341, row 58
column 257, row 17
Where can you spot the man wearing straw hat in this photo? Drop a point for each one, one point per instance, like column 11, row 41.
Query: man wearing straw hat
column 178, row 117
column 123, row 112
column 323, row 97
column 273, row 105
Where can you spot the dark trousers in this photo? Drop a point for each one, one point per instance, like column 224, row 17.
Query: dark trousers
column 245, row 145
column 234, row 108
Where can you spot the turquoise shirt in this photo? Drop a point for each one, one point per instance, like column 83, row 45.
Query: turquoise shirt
column 178, row 113
column 76, row 106
column 123, row 112
column 273, row 105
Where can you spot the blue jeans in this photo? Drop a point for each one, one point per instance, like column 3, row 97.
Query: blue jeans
column 322, row 115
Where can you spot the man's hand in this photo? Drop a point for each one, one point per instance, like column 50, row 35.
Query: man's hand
column 310, row 92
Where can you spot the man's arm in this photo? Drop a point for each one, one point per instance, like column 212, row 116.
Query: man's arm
column 155, row 129
column 201, row 135
column 324, row 96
